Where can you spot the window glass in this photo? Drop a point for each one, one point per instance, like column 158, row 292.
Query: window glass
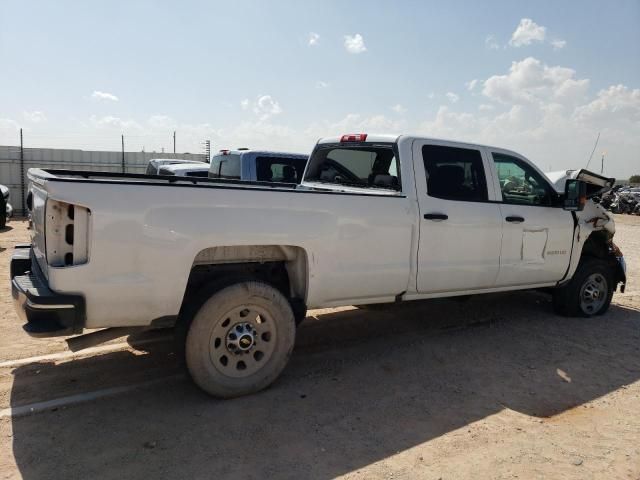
column 454, row 173
column 520, row 183
column 165, row 171
column 225, row 166
column 197, row 173
column 280, row 169
column 361, row 166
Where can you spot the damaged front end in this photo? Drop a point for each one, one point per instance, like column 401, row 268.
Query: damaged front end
column 595, row 228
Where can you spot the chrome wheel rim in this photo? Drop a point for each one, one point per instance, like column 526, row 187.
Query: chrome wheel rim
column 593, row 293
column 242, row 341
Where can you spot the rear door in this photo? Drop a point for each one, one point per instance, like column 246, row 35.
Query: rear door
column 537, row 233
column 460, row 227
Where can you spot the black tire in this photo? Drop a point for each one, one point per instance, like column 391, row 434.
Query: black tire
column 3, row 220
column 221, row 323
column 569, row 300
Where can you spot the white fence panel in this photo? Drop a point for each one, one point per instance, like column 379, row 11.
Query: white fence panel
column 94, row 161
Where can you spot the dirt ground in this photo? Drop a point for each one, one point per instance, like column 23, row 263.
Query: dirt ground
column 493, row 387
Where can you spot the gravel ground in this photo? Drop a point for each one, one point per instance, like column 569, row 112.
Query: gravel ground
column 493, row 387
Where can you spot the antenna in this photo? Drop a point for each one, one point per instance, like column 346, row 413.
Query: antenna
column 594, row 149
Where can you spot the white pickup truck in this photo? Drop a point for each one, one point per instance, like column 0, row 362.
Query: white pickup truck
column 235, row 265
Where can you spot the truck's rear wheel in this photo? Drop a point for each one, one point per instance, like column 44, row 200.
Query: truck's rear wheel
column 240, row 340
column 588, row 293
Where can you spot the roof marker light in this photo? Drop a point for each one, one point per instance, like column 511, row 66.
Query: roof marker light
column 353, row 137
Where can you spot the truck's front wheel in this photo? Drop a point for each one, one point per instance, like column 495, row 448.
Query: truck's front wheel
column 240, row 340
column 588, row 293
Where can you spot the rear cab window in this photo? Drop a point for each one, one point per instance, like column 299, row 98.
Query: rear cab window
column 279, row 169
column 373, row 166
column 225, row 166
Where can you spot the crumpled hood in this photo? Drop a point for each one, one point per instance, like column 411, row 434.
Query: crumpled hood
column 596, row 184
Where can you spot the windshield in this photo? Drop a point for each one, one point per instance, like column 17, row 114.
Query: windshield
column 366, row 166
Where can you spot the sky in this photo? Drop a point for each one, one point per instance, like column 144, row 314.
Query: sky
column 542, row 78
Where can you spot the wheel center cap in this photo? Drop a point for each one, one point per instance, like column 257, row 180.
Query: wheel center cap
column 245, row 342
column 241, row 338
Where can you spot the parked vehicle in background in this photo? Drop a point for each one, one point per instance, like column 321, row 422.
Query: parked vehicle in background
column 234, row 266
column 199, row 169
column 622, row 200
column 261, row 166
column 154, row 164
column 6, row 210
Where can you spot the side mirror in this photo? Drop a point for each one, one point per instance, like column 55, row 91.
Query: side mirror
column 575, row 195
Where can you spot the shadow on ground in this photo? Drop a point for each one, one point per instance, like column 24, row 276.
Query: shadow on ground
column 360, row 387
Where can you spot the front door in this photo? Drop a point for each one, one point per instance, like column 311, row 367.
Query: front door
column 460, row 229
column 537, row 233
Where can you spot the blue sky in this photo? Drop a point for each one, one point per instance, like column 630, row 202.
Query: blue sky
column 548, row 75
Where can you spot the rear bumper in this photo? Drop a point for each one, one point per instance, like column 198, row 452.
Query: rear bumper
column 46, row 313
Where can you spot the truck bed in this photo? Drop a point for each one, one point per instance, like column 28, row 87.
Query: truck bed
column 62, row 175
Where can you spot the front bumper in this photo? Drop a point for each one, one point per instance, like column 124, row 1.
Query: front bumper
column 46, row 313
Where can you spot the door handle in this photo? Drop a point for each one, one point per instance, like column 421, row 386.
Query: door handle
column 435, row 216
column 515, row 219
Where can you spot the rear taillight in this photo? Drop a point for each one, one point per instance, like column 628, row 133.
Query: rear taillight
column 67, row 234
column 354, row 137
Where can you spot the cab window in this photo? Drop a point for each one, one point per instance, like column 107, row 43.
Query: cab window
column 454, row 173
column 225, row 166
column 374, row 166
column 520, row 183
column 280, row 169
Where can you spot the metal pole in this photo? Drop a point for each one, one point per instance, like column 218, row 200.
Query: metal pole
column 122, row 153
column 174, row 141
column 22, row 182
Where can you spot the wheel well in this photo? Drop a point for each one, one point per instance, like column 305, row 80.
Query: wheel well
column 597, row 245
column 284, row 267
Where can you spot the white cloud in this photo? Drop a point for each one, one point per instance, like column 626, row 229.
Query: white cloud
column 354, row 43
column 111, row 122
column 355, row 122
column 98, row 95
column 526, row 33
column 35, row 116
column 491, row 43
column 530, row 81
column 313, row 39
column 161, row 122
column 399, row 108
column 545, row 113
column 471, row 84
column 452, row 97
column 266, row 107
column 558, row 43
column 616, row 105
column 9, row 124
column 244, row 103
column 431, row 95
column 321, row 84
